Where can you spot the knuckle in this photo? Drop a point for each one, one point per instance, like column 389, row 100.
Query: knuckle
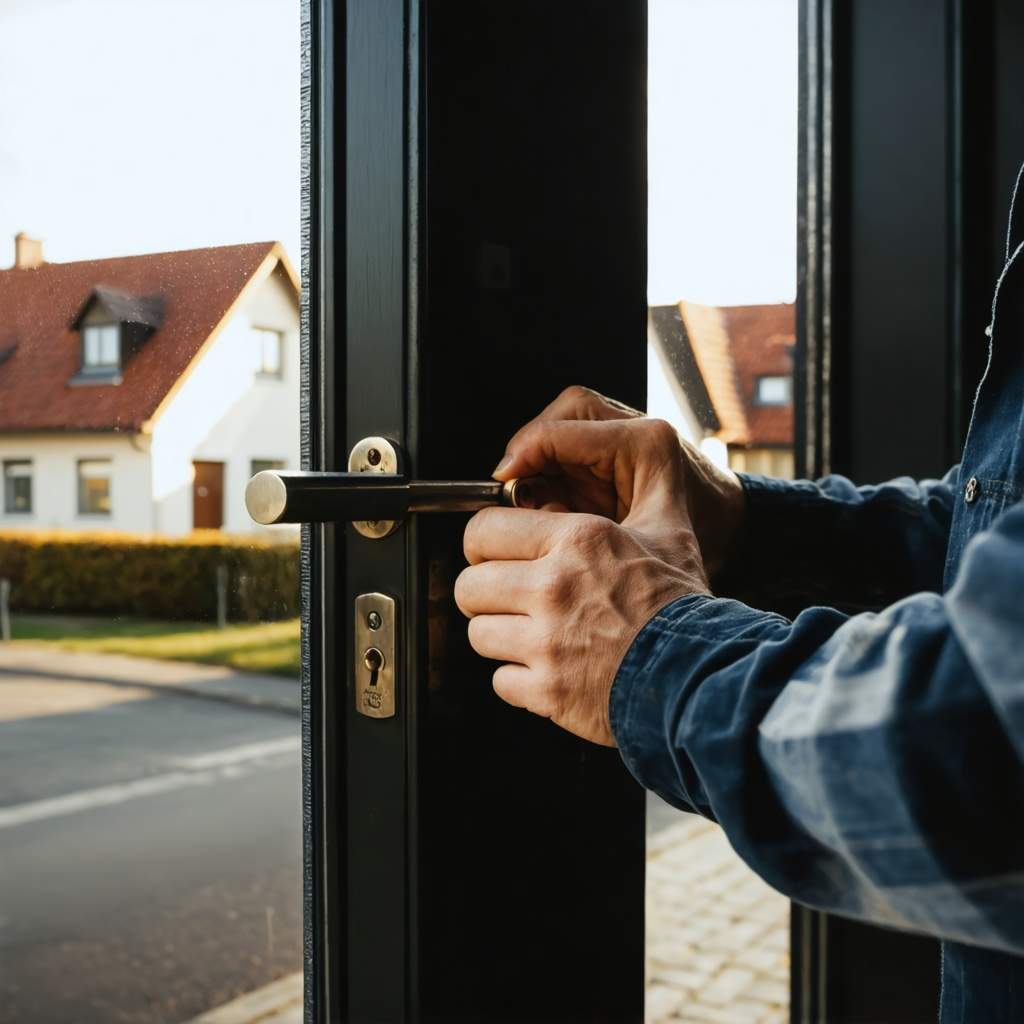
column 475, row 633
column 476, row 529
column 462, row 592
column 529, row 436
column 499, row 686
column 662, row 433
column 577, row 393
column 555, row 588
column 503, row 685
column 588, row 530
column 551, row 647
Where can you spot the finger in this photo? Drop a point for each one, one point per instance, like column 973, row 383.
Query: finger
column 503, row 637
column 513, row 534
column 492, row 588
column 626, row 462
column 575, row 403
column 580, row 403
column 517, row 685
column 568, row 446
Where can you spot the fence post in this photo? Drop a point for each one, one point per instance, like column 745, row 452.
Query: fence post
column 5, row 610
column 222, row 596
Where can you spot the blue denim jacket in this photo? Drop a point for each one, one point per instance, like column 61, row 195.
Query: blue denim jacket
column 867, row 763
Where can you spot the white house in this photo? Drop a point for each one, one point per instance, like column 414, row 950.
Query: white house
column 140, row 393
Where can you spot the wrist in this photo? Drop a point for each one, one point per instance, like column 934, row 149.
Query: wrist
column 717, row 505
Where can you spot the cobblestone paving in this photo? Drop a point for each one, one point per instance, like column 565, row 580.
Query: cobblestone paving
column 717, row 936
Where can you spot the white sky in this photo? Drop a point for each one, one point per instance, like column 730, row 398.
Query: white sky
column 141, row 125
column 722, row 147
column 132, row 126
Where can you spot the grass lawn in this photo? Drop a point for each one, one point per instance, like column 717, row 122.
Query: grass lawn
column 270, row 647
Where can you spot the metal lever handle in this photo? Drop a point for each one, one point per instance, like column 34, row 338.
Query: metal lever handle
column 275, row 496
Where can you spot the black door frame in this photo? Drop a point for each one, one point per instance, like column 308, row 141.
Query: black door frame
column 436, row 882
column 879, row 314
column 359, row 219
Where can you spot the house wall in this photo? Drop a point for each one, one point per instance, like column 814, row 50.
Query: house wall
column 54, row 460
column 777, row 462
column 224, row 412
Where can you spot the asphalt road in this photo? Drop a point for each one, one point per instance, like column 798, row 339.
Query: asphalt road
column 150, row 857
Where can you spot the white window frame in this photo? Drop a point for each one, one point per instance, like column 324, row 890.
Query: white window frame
column 773, row 378
column 274, row 338
column 25, row 465
column 101, row 348
column 83, row 474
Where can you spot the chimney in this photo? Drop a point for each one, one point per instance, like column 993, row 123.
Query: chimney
column 28, row 252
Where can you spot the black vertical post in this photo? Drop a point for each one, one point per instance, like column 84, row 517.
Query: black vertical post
column 476, row 192
column 895, row 214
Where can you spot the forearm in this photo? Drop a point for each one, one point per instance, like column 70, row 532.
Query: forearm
column 863, row 765
column 804, row 543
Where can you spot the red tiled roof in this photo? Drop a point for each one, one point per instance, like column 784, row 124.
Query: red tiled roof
column 38, row 307
column 762, row 345
column 733, row 346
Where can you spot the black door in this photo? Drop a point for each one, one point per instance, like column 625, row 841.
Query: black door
column 476, row 203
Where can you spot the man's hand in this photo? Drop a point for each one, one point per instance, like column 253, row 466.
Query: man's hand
column 599, row 456
column 561, row 597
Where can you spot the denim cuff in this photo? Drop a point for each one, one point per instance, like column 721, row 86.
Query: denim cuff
column 635, row 717
column 660, row 680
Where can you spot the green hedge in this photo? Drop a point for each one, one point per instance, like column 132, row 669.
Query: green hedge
column 150, row 577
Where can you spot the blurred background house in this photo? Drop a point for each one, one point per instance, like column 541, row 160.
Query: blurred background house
column 140, row 393
column 729, row 370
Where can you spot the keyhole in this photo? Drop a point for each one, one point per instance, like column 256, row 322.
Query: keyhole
column 374, row 661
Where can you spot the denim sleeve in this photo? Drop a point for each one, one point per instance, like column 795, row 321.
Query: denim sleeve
column 829, row 542
column 867, row 765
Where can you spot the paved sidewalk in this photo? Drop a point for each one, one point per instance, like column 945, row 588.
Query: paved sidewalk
column 207, row 681
column 717, row 936
column 717, row 941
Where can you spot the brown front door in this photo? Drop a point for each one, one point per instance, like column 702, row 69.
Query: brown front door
column 208, row 496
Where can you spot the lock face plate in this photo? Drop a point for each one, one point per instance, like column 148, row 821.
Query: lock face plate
column 374, row 455
column 375, row 655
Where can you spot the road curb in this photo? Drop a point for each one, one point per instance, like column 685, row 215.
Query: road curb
column 280, row 1002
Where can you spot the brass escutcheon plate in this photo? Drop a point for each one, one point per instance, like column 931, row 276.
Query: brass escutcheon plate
column 374, row 455
column 375, row 668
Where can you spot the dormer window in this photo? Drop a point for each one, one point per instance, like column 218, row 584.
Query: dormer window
column 112, row 326
column 773, row 390
column 101, row 348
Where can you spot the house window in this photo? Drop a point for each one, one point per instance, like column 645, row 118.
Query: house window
column 259, row 465
column 94, row 487
column 101, row 347
column 773, row 390
column 18, row 486
column 269, row 351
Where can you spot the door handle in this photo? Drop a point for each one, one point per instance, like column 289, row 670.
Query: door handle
column 373, row 495
column 277, row 496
